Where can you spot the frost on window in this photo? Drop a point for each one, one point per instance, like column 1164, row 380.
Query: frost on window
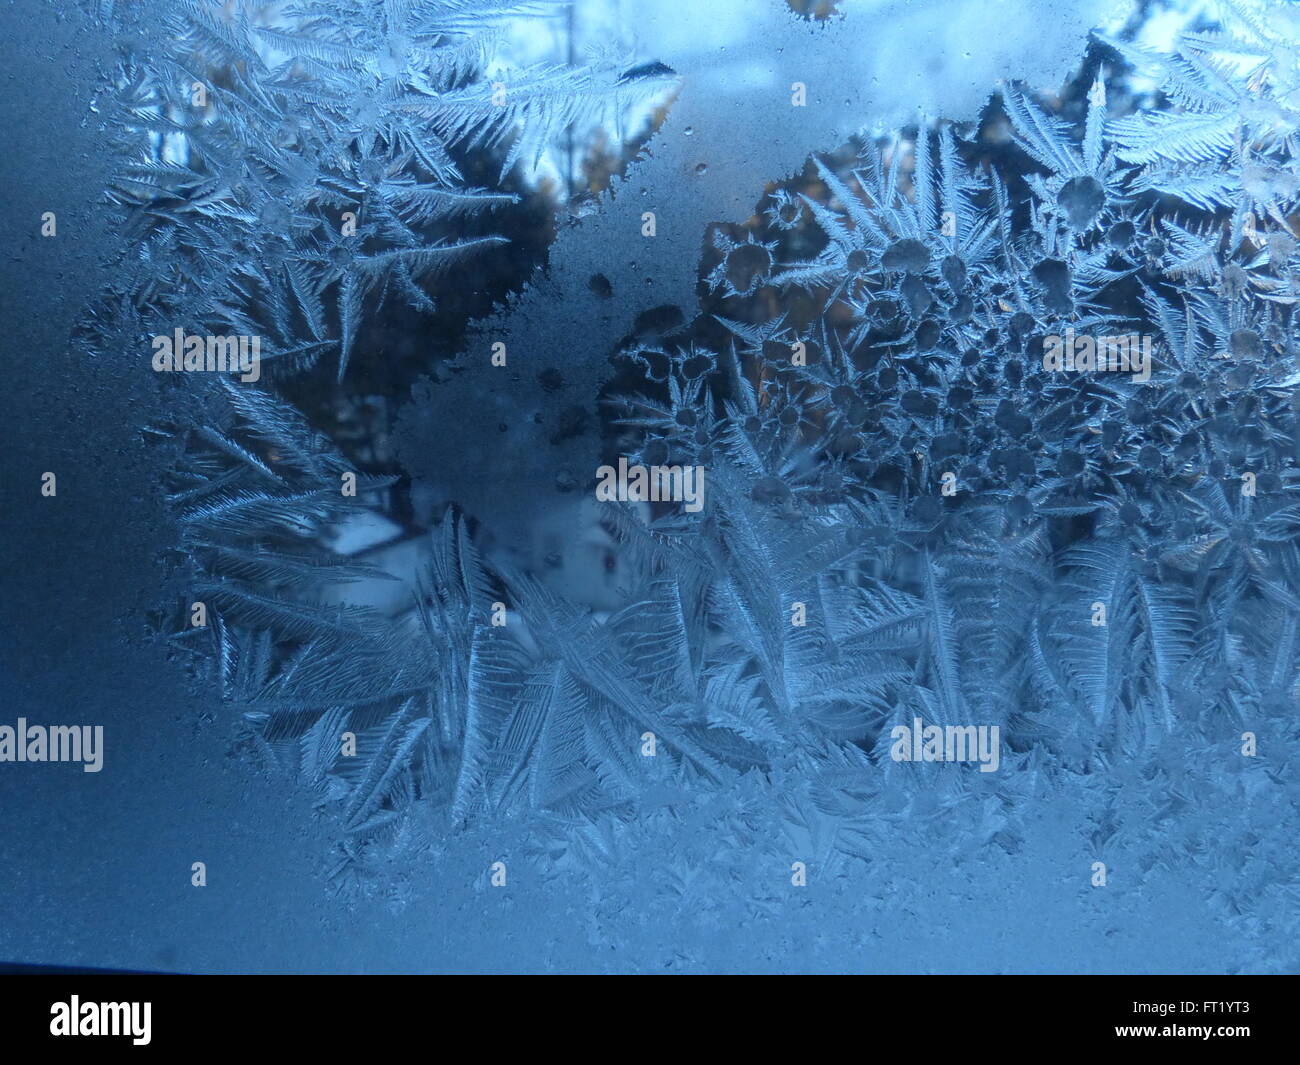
column 696, row 442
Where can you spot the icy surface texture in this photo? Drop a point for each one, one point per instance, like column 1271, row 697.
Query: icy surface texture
column 828, row 279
